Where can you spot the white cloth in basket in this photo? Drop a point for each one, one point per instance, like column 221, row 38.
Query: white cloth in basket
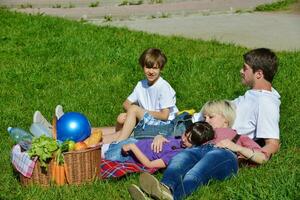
column 22, row 161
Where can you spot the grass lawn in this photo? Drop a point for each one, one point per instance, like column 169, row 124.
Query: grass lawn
column 47, row 61
column 277, row 5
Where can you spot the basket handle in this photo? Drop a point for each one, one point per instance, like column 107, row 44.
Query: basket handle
column 54, row 132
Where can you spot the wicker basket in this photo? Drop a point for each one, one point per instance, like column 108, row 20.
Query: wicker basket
column 82, row 166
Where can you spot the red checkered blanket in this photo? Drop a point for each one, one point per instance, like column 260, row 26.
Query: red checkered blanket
column 113, row 169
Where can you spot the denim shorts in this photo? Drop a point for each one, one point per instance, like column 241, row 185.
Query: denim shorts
column 114, row 151
column 150, row 120
column 149, row 127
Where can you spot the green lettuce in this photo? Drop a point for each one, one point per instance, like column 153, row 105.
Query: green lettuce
column 43, row 147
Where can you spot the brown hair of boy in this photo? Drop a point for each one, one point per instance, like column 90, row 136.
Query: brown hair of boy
column 151, row 57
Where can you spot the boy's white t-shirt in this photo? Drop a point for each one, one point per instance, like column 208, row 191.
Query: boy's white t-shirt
column 257, row 114
column 156, row 97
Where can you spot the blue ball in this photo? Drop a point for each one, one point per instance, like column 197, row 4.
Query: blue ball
column 73, row 126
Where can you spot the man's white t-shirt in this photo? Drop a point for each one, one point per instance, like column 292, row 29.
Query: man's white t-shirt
column 156, row 97
column 257, row 114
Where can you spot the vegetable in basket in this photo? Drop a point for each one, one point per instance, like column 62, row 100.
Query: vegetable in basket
column 43, row 147
column 59, row 167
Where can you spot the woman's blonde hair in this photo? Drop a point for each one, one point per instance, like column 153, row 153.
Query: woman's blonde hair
column 221, row 107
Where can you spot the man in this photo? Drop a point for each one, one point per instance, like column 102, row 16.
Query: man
column 257, row 112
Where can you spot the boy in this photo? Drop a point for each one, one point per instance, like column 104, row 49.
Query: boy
column 152, row 101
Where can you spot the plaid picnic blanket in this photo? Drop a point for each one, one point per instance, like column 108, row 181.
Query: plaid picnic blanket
column 22, row 162
column 113, row 169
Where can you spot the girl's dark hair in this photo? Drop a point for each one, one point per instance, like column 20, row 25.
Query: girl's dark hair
column 200, row 132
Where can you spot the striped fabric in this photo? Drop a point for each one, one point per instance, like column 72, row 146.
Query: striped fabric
column 113, row 169
column 22, row 162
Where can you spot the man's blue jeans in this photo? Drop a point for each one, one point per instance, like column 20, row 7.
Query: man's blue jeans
column 196, row 166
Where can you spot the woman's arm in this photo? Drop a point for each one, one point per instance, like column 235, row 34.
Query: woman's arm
column 158, row 163
column 255, row 156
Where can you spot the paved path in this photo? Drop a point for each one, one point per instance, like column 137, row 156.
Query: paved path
column 144, row 10
column 202, row 19
column 276, row 31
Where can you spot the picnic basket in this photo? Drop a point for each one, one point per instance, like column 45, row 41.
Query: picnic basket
column 82, row 166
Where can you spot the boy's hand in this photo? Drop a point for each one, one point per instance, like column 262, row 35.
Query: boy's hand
column 157, row 143
column 163, row 114
column 121, row 118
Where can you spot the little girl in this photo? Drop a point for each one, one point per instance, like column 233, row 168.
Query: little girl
column 140, row 151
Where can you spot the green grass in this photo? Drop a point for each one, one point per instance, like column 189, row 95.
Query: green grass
column 47, row 61
column 155, row 1
column 27, row 5
column 94, row 4
column 278, row 5
column 57, row 6
column 130, row 3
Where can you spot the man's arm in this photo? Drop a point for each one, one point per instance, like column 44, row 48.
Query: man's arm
column 271, row 146
column 158, row 163
column 163, row 114
column 248, row 153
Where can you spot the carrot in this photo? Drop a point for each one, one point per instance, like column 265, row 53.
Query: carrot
column 58, row 174
column 61, row 175
column 67, row 173
column 58, row 171
column 53, row 171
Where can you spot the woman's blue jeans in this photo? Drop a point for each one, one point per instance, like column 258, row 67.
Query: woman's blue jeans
column 196, row 166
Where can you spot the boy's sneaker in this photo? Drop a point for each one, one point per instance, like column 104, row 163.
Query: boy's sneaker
column 136, row 193
column 59, row 111
column 39, row 118
column 154, row 188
